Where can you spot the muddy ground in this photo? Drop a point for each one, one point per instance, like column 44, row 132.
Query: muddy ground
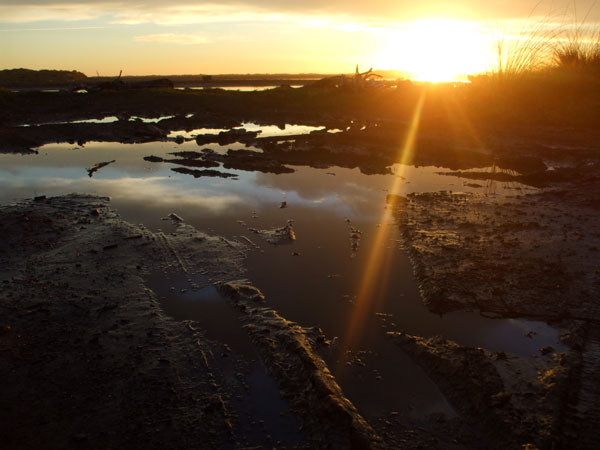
column 534, row 256
column 90, row 360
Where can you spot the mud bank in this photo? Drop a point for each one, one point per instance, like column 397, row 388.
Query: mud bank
column 371, row 135
column 90, row 360
column 515, row 257
column 514, row 401
column 531, row 256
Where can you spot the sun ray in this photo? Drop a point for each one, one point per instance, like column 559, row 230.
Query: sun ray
column 377, row 268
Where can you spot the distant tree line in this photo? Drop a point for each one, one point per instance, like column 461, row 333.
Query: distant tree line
column 36, row 78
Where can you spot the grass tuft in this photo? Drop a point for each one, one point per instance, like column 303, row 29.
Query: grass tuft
column 579, row 53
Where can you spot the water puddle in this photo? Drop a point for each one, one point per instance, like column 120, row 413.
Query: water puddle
column 263, row 411
column 107, row 119
column 316, row 280
column 264, row 130
column 195, row 132
column 150, row 119
column 241, row 88
column 285, row 130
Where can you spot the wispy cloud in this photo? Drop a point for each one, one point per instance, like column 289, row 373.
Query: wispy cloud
column 53, row 29
column 348, row 16
column 66, row 12
column 173, row 38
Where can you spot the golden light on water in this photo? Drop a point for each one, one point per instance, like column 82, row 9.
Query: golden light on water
column 376, row 273
column 438, row 50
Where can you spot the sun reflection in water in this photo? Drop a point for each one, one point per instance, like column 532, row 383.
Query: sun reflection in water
column 374, row 282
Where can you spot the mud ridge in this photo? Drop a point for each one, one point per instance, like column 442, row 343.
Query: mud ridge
column 327, row 415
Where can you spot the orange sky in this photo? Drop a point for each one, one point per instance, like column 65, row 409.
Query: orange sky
column 267, row 36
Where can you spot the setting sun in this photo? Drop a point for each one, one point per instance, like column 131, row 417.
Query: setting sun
column 438, row 50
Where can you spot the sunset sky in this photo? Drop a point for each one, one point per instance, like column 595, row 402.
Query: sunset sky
column 186, row 37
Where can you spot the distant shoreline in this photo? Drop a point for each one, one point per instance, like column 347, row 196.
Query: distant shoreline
column 24, row 79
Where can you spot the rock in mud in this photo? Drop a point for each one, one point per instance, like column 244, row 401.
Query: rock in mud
column 174, row 217
column 241, row 290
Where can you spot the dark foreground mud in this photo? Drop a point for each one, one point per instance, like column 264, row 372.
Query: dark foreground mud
column 530, row 256
column 513, row 400
column 89, row 360
column 533, row 256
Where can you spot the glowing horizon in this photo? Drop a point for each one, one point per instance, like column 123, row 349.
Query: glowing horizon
column 432, row 41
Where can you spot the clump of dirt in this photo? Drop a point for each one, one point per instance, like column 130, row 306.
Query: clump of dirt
column 354, row 235
column 542, row 177
column 92, row 170
column 234, row 159
column 279, row 235
column 227, row 137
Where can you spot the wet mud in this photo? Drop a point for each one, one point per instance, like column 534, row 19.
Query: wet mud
column 511, row 257
column 89, row 360
column 76, row 291
column 303, row 376
column 533, row 256
column 514, row 401
column 366, row 137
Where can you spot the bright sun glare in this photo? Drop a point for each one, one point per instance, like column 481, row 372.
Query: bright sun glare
column 438, row 50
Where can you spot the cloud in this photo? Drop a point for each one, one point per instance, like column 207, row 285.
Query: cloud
column 52, row 29
column 38, row 12
column 173, row 38
column 203, row 11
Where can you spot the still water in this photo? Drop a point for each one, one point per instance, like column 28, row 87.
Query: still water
column 316, row 279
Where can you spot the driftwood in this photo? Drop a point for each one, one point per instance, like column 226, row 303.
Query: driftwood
column 98, row 166
column 119, row 84
column 359, row 80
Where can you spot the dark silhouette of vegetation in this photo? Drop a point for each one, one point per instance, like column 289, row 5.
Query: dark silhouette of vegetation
column 37, row 78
